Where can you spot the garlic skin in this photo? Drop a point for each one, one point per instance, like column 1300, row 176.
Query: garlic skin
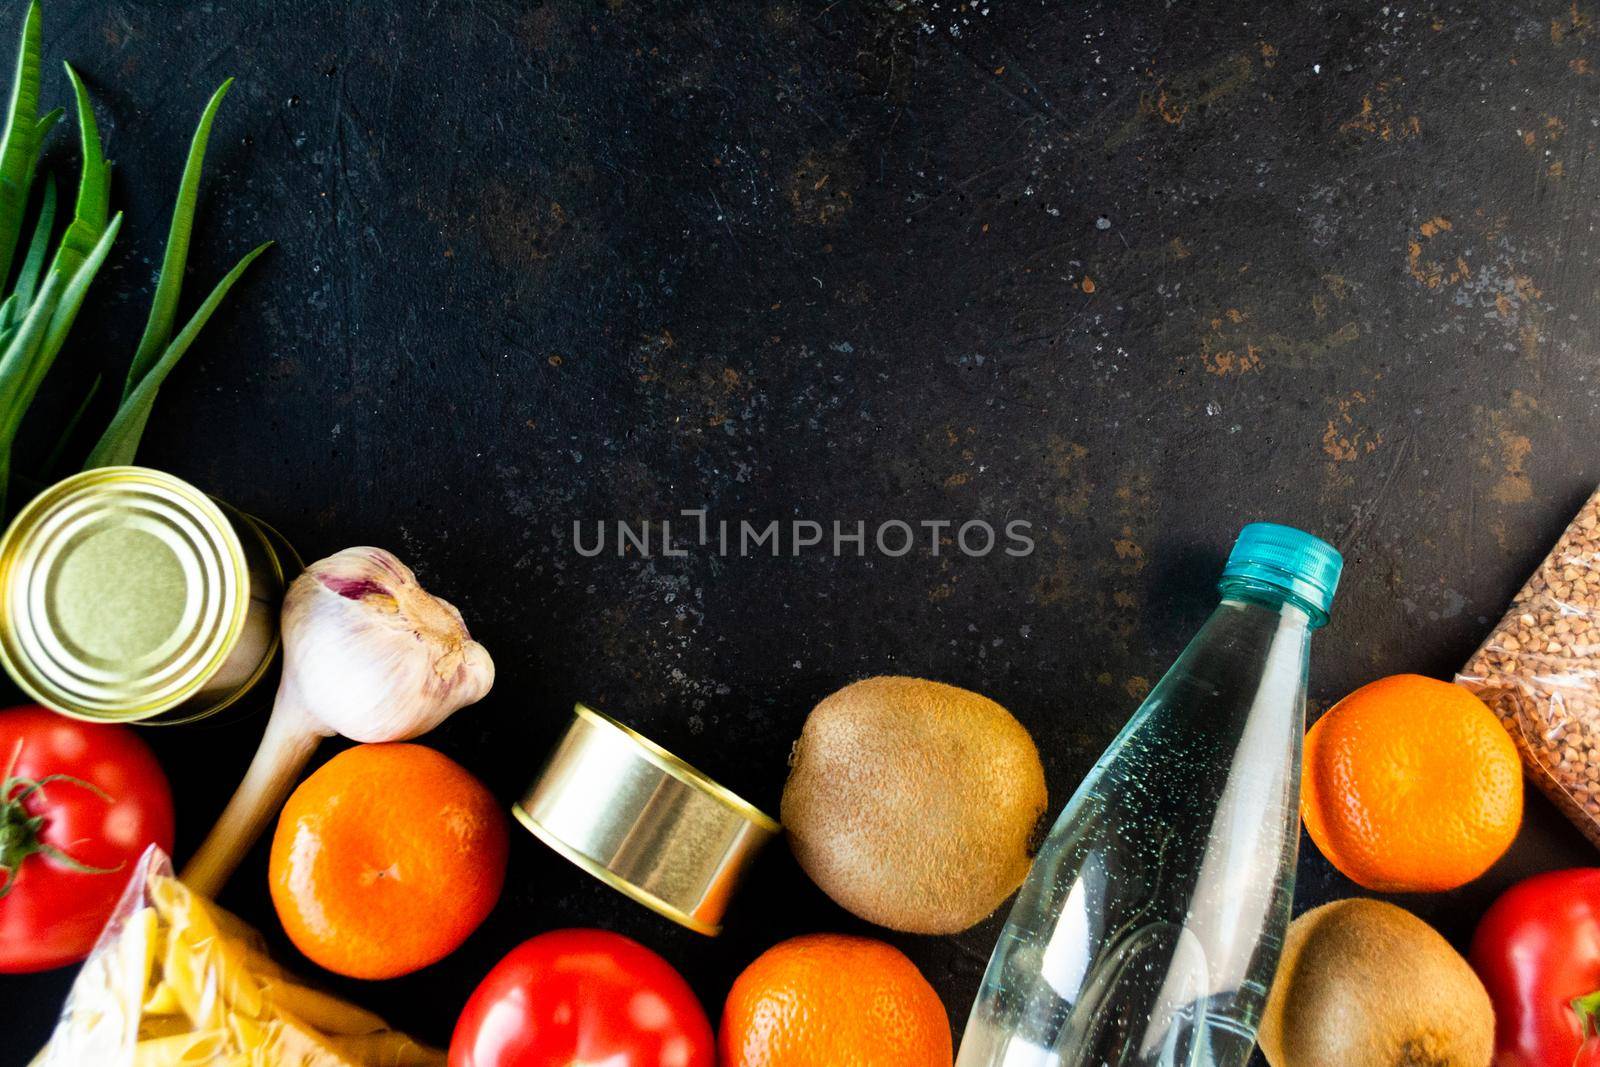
column 373, row 656
column 367, row 653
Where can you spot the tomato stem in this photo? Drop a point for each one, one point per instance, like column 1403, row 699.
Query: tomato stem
column 20, row 832
column 1588, row 1010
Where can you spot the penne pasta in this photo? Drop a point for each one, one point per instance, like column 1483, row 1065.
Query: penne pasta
column 164, row 1026
column 321, row 1010
column 388, row 1049
column 186, row 975
column 136, row 948
column 161, row 1000
column 299, row 1043
column 180, row 1050
column 181, row 982
column 249, row 1033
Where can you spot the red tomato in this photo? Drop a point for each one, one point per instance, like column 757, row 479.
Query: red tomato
column 79, row 804
column 1537, row 950
column 582, row 996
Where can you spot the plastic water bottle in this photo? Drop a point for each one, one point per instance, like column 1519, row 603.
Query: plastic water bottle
column 1150, row 926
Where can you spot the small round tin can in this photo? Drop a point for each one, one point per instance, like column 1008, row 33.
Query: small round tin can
column 643, row 821
column 128, row 595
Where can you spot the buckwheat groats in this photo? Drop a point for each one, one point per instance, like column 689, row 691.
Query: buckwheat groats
column 1540, row 671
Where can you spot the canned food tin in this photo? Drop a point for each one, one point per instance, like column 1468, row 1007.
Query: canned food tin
column 643, row 821
column 128, row 595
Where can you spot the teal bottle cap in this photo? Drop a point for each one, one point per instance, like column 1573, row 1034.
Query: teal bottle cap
column 1290, row 559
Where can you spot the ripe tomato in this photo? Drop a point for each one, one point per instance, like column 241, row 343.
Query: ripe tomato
column 582, row 996
column 1537, row 950
column 78, row 805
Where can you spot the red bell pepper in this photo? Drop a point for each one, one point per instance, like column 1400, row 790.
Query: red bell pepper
column 1537, row 950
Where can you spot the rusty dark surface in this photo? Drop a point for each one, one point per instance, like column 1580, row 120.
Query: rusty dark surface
column 1133, row 273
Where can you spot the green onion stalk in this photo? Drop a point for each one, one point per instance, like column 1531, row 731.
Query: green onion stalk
column 47, row 287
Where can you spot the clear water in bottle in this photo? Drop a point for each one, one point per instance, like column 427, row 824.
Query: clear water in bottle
column 1149, row 928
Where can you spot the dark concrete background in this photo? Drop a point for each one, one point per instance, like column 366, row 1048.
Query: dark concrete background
column 1134, row 273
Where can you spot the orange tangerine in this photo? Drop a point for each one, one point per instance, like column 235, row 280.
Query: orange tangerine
column 385, row 859
column 1411, row 784
column 825, row 1000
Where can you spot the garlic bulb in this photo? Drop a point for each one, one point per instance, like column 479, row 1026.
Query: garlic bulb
column 372, row 654
column 367, row 654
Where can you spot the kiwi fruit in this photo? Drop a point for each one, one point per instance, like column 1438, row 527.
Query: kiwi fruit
column 1366, row 984
column 914, row 804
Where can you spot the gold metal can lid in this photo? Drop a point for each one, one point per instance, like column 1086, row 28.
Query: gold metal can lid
column 643, row 821
column 122, row 590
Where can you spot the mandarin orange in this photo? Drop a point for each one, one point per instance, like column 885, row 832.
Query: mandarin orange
column 1411, row 784
column 827, row 1000
column 385, row 859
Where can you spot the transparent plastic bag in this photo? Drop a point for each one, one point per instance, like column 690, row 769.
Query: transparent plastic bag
column 1539, row 670
column 174, row 979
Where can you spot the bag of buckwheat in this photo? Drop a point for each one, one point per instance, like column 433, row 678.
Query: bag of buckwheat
column 1540, row 671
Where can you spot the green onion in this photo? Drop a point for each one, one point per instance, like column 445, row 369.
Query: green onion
column 42, row 301
column 19, row 145
column 121, row 439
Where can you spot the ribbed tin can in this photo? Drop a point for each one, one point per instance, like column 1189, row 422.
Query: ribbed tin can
column 643, row 821
column 128, row 595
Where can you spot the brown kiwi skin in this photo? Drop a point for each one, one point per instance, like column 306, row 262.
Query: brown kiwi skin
column 1362, row 983
column 914, row 804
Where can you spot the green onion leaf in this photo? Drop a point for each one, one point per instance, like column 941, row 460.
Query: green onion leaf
column 120, row 442
column 33, row 262
column 94, row 186
column 17, row 370
column 164, row 305
column 19, row 374
column 77, row 286
column 19, row 151
column 17, row 392
column 43, row 127
column 88, row 223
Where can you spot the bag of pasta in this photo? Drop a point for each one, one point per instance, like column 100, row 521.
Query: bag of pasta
column 175, row 980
